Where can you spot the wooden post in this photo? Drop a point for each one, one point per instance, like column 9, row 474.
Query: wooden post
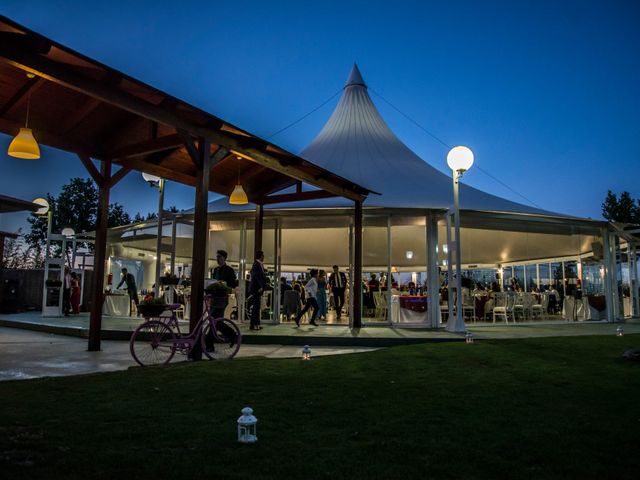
column 257, row 244
column 357, row 267
column 200, row 237
column 97, row 283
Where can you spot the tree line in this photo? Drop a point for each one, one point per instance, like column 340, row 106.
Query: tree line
column 76, row 207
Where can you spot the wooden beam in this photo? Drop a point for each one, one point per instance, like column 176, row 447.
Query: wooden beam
column 97, row 283
column 91, row 168
column 79, row 115
column 29, row 87
column 14, row 52
column 191, row 148
column 200, row 237
column 137, row 163
column 119, row 175
column 356, row 321
column 299, row 174
column 146, row 147
column 45, row 137
column 296, row 197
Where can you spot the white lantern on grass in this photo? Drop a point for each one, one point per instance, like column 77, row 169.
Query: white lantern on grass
column 247, row 426
column 306, row 352
column 468, row 337
column 619, row 332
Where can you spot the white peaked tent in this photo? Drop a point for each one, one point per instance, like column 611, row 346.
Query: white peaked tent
column 407, row 216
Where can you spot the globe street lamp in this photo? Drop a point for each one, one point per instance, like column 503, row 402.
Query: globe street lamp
column 459, row 159
column 158, row 183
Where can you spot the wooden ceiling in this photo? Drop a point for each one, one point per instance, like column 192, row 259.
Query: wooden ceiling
column 82, row 106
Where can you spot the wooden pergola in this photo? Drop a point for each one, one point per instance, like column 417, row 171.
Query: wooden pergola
column 109, row 119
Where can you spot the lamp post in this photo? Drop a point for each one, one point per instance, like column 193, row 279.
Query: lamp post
column 158, row 183
column 459, row 159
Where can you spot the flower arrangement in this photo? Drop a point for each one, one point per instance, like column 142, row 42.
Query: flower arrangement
column 152, row 307
column 218, row 289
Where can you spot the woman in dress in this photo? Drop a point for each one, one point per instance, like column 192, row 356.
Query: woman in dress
column 321, row 295
column 74, row 298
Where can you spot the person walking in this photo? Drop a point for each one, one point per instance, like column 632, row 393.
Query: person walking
column 312, row 289
column 66, row 291
column 257, row 285
column 223, row 273
column 132, row 289
column 321, row 296
column 338, row 282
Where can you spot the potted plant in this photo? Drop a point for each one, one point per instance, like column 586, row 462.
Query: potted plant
column 152, row 308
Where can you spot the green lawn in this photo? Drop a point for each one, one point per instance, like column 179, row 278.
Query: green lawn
column 536, row 408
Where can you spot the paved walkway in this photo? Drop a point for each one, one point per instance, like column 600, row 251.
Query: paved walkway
column 26, row 354
column 120, row 328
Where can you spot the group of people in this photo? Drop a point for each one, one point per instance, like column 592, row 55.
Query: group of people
column 313, row 294
column 71, row 293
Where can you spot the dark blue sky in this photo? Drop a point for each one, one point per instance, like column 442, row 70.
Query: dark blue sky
column 545, row 93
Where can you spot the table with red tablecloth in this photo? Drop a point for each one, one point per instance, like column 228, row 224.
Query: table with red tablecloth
column 409, row 308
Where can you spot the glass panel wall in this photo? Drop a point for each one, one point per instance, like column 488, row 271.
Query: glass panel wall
column 375, row 260
column 409, row 270
column 531, row 278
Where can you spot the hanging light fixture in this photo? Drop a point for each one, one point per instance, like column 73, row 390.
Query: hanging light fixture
column 238, row 196
column 24, row 144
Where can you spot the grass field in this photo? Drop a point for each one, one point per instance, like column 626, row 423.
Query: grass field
column 536, row 408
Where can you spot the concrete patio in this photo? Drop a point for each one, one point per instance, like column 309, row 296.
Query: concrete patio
column 120, row 328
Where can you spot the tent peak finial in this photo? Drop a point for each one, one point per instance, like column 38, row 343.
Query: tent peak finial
column 355, row 77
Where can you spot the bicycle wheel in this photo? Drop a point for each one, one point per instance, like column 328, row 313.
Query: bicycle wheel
column 152, row 343
column 224, row 342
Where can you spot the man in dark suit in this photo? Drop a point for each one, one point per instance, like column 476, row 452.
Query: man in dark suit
column 338, row 282
column 257, row 285
column 130, row 281
column 223, row 273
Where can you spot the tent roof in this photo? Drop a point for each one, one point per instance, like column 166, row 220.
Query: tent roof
column 357, row 144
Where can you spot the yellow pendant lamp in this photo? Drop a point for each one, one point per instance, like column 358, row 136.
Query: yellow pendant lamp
column 24, row 145
column 238, row 196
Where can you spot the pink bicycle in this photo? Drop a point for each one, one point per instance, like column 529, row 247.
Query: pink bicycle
column 156, row 341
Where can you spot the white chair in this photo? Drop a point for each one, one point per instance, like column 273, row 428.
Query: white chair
column 523, row 306
column 539, row 310
column 468, row 305
column 380, row 301
column 504, row 306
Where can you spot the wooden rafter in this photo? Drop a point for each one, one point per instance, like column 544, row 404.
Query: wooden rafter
column 29, row 87
column 79, row 115
column 147, row 147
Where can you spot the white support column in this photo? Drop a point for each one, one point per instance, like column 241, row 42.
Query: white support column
column 633, row 278
column 277, row 242
column 609, row 273
column 433, row 279
column 450, row 303
column 242, row 271
column 351, row 280
column 389, row 252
